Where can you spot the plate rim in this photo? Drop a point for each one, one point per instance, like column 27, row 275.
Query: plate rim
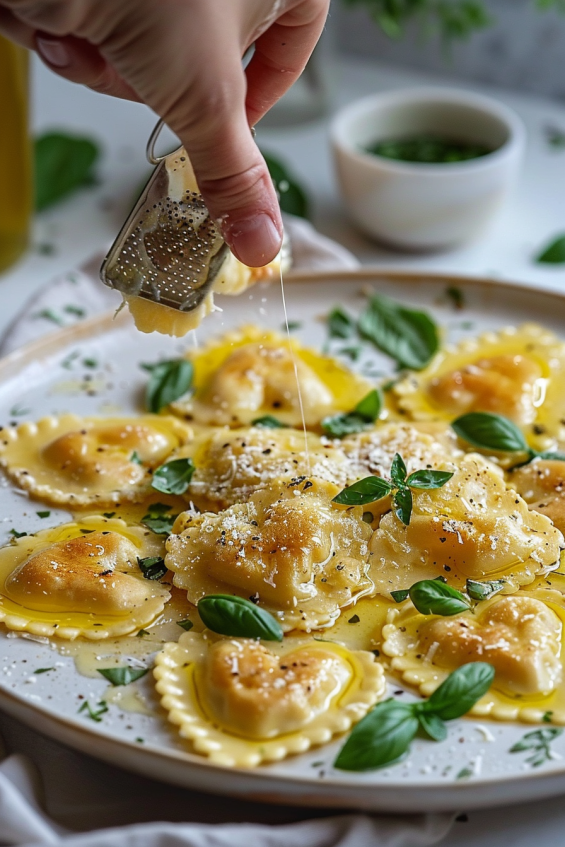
column 50, row 343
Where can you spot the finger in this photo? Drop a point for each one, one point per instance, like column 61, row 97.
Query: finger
column 15, row 30
column 232, row 174
column 280, row 56
column 78, row 61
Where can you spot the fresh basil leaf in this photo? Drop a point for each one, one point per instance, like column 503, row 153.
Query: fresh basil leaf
column 432, row 597
column 553, row 253
column 173, row 477
column 380, row 738
column 340, row 324
column 369, row 407
column 122, row 676
column 433, row 726
column 427, row 480
column 238, row 617
column 186, row 625
column 62, row 164
column 338, row 426
column 402, row 500
column 490, row 432
column 365, row 412
column 269, row 422
column 366, row 490
column 398, row 470
column 152, row 567
column 550, row 455
column 169, row 380
column 159, row 524
column 481, row 590
column 460, row 691
column 136, row 458
column 401, row 595
column 292, row 197
column 409, row 336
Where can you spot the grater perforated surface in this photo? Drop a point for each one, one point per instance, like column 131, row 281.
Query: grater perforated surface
column 169, row 249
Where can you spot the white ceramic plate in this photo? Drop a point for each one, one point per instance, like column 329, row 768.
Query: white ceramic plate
column 49, row 377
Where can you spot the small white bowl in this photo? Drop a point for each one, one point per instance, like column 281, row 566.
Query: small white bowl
column 420, row 206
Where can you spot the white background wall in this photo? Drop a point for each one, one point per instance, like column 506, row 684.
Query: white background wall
column 524, row 50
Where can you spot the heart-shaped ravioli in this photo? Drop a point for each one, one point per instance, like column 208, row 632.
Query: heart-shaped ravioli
column 516, row 372
column 87, row 461
column 472, row 527
column 81, row 578
column 241, row 702
column 288, row 547
column 519, row 635
column 254, row 372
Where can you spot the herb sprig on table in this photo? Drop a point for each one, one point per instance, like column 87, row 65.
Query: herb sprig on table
column 384, row 736
column 373, row 488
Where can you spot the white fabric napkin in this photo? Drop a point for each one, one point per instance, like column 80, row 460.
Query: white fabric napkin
column 112, row 808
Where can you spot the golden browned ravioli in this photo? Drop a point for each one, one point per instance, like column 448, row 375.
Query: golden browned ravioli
column 242, row 702
column 81, row 578
column 287, row 547
column 253, row 372
column 472, row 527
column 232, row 464
column 90, row 461
column 520, row 636
column 516, row 372
column 542, row 485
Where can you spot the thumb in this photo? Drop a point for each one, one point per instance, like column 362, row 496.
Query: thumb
column 230, row 170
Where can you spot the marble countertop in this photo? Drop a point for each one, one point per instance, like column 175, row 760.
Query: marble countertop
column 70, row 233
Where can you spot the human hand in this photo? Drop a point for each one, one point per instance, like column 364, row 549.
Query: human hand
column 183, row 59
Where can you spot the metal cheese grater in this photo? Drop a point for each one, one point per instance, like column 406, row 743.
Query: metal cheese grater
column 169, row 250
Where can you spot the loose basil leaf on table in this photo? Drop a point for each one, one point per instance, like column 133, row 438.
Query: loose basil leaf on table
column 152, row 567
column 173, row 477
column 482, row 590
column 237, row 617
column 292, row 197
column 553, row 253
column 269, row 422
column 460, row 691
column 365, row 412
column 366, row 490
column 168, row 381
column 434, row 597
column 62, row 164
column 122, row 676
column 408, row 336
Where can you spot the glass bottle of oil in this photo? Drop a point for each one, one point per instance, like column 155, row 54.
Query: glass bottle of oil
column 15, row 153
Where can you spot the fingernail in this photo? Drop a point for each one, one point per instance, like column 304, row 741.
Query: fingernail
column 254, row 240
column 53, row 51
